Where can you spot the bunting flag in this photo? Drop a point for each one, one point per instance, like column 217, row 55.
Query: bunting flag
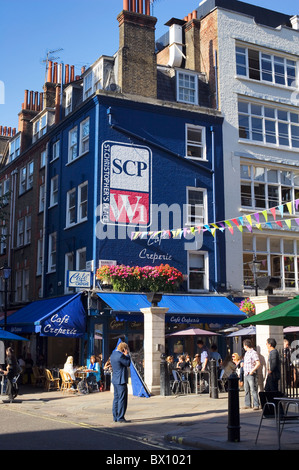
column 240, row 222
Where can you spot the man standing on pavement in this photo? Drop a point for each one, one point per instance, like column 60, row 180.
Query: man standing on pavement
column 273, row 366
column 251, row 365
column 120, row 361
column 204, row 356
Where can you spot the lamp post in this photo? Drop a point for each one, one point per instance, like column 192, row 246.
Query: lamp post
column 6, row 272
column 255, row 267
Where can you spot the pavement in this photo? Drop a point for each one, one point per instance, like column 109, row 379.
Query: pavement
column 193, row 421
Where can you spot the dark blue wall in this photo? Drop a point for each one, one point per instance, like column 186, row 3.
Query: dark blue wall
column 162, row 130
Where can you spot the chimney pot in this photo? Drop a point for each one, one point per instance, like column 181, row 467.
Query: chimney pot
column 49, row 77
column 1, row 128
column 72, row 73
column 14, row 131
column 126, row 5
column 147, row 7
column 194, row 14
column 55, row 73
column 9, row 131
column 31, row 101
column 4, row 130
column 26, row 100
column 67, row 74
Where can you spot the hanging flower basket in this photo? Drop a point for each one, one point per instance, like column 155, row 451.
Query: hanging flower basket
column 248, row 307
column 163, row 278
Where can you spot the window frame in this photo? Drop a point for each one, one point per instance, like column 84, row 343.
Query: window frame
column 205, row 256
column 183, row 75
column 84, row 140
column 71, row 209
column 82, row 203
column 72, row 146
column 190, row 143
column 202, row 218
column 52, row 252
column 254, row 121
column 273, row 61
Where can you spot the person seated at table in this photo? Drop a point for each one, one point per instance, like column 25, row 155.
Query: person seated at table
column 188, row 362
column 107, row 374
column 228, row 367
column 181, row 364
column 170, row 364
column 196, row 363
column 94, row 372
column 69, row 367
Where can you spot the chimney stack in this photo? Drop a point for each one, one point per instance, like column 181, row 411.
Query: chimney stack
column 137, row 59
column 192, row 42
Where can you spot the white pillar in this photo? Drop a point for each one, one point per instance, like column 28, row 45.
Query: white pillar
column 154, row 345
column 263, row 332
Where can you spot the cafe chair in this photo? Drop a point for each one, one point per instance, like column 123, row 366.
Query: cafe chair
column 38, row 377
column 181, row 382
column 66, row 381
column 51, row 383
column 269, row 410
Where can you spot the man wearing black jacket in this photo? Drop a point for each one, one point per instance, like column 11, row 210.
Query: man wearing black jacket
column 273, row 367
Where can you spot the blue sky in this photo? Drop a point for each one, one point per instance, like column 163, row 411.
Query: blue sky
column 83, row 30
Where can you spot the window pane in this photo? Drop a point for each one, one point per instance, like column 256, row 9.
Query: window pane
column 246, row 195
column 259, row 195
column 254, row 64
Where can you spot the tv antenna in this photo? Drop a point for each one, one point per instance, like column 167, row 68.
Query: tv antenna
column 50, row 57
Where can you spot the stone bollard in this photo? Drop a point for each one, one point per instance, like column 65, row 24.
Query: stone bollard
column 213, row 379
column 233, row 426
column 164, row 377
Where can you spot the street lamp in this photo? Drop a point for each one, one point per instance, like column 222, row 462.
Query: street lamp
column 255, row 267
column 6, row 272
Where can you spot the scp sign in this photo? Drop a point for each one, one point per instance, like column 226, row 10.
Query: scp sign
column 126, row 174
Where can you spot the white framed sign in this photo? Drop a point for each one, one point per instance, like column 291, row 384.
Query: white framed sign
column 81, row 279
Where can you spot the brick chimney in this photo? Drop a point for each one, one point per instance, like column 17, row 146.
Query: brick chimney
column 137, row 69
column 30, row 108
column 192, row 42
column 49, row 88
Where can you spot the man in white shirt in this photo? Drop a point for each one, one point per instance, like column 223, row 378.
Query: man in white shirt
column 251, row 365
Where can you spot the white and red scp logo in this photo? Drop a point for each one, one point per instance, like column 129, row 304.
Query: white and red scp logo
column 126, row 184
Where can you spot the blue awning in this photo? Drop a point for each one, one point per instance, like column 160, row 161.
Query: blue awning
column 60, row 317
column 182, row 308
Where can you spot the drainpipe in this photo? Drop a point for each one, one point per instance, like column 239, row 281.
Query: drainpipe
column 216, row 80
column 214, row 207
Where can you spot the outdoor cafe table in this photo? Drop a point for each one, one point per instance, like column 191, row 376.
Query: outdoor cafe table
column 283, row 415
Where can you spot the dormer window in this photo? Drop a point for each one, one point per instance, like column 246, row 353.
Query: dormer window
column 187, row 87
column 87, row 85
column 14, row 148
column 40, row 127
column 68, row 101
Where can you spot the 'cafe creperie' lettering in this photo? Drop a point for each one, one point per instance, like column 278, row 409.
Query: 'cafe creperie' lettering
column 58, row 326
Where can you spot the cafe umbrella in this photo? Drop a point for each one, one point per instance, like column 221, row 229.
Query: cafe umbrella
column 284, row 314
column 194, row 332
column 250, row 330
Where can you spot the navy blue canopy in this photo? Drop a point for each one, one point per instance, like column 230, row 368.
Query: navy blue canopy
column 182, row 308
column 59, row 317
